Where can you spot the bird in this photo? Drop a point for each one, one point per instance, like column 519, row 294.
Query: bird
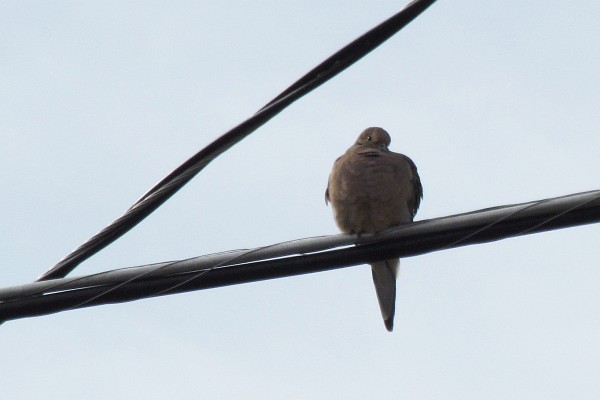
column 372, row 189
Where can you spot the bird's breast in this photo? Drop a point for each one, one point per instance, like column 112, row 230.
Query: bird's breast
column 369, row 195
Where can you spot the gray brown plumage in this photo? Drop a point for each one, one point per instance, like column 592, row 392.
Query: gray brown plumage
column 372, row 189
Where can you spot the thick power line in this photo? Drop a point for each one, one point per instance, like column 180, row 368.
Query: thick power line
column 298, row 257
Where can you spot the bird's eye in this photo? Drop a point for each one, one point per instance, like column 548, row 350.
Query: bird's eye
column 369, row 138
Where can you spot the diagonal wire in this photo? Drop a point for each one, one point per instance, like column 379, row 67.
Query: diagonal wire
column 167, row 187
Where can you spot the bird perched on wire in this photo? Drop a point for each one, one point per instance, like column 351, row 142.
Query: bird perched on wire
column 372, row 189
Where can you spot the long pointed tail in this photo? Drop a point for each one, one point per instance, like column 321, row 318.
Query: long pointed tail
column 384, row 278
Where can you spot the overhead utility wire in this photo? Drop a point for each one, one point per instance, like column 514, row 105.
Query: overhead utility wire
column 162, row 191
column 299, row 257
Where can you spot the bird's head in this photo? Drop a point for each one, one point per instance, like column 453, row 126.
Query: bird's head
column 374, row 138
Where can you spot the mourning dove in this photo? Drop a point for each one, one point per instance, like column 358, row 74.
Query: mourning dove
column 372, row 189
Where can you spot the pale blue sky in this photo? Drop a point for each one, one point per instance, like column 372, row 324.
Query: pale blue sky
column 496, row 102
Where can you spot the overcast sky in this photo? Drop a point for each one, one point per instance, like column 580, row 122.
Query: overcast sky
column 496, row 103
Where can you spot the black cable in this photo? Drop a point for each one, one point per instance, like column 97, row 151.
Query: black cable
column 404, row 241
column 167, row 187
